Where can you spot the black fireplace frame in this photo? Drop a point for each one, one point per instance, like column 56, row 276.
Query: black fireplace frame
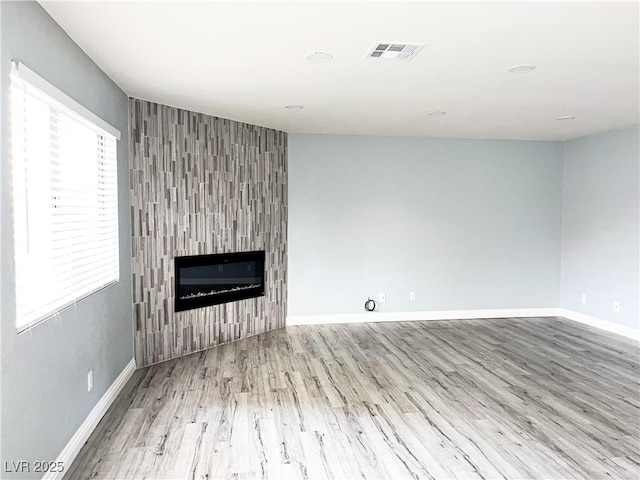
column 181, row 305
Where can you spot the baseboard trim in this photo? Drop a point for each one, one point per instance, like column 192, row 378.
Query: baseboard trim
column 464, row 315
column 420, row 316
column 628, row 332
column 71, row 450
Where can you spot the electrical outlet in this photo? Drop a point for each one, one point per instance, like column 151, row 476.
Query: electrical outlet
column 90, row 381
column 616, row 307
column 412, row 296
column 382, row 297
column 583, row 298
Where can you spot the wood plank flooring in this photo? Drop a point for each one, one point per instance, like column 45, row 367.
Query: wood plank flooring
column 504, row 398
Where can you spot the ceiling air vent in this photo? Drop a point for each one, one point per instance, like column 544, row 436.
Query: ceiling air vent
column 394, row 50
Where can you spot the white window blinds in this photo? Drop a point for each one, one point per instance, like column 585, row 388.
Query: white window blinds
column 65, row 212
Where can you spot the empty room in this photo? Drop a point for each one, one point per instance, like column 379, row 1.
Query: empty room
column 320, row 240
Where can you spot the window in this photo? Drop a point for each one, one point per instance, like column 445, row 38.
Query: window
column 65, row 211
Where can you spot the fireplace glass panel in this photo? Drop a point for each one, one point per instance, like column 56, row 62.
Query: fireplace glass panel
column 212, row 279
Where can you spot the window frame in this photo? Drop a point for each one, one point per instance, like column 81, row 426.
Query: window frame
column 105, row 134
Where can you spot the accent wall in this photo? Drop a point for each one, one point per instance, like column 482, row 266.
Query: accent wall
column 203, row 185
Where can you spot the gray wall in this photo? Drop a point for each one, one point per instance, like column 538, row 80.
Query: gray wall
column 600, row 226
column 466, row 224
column 44, row 371
column 202, row 185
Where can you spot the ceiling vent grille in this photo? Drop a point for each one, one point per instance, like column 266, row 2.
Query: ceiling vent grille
column 394, row 50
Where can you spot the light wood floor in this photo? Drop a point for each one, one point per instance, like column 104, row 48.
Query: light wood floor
column 508, row 398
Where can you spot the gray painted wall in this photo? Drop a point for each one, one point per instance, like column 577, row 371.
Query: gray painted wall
column 44, row 371
column 600, row 226
column 466, row 224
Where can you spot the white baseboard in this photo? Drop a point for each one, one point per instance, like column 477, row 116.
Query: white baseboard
column 71, row 450
column 628, row 332
column 419, row 316
column 464, row 315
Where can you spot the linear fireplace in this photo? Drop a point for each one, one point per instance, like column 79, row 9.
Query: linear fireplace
column 203, row 280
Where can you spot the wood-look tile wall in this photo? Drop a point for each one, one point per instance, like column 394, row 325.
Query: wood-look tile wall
column 201, row 185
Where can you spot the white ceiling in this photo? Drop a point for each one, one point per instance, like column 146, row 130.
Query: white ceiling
column 246, row 61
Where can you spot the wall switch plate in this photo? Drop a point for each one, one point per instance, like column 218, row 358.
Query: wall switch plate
column 382, row 297
column 616, row 307
column 90, row 381
column 412, row 296
column 583, row 298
